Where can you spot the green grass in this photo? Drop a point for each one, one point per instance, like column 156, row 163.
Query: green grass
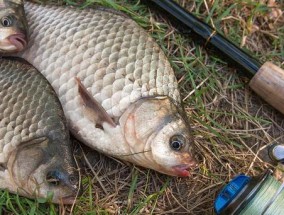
column 230, row 123
column 14, row 204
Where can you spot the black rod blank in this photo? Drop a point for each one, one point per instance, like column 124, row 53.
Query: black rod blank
column 211, row 36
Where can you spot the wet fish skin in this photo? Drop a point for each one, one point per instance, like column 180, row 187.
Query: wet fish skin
column 119, row 66
column 35, row 147
column 13, row 26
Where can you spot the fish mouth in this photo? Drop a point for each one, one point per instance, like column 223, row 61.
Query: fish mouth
column 182, row 170
column 68, row 200
column 18, row 41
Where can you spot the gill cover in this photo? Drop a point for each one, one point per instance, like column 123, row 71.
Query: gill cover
column 37, row 170
column 159, row 128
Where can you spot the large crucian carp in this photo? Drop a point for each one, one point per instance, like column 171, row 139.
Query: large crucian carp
column 116, row 86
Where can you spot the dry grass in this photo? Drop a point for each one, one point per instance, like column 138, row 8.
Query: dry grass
column 232, row 126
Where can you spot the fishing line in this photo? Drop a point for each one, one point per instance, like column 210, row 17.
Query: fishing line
column 135, row 153
column 275, row 196
column 263, row 202
column 251, row 195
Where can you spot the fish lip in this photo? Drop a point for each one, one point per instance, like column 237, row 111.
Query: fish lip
column 6, row 46
column 68, row 200
column 182, row 170
column 18, row 40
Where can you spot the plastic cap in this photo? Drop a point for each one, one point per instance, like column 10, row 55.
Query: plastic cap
column 276, row 152
column 230, row 191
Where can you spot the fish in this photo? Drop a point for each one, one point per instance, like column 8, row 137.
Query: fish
column 117, row 88
column 13, row 25
column 35, row 149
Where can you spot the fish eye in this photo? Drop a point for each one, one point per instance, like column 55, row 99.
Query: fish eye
column 53, row 178
column 7, row 21
column 177, row 142
column 73, row 179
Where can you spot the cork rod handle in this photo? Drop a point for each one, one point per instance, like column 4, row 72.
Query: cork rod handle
column 268, row 83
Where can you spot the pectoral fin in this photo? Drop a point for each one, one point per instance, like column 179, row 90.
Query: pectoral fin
column 92, row 108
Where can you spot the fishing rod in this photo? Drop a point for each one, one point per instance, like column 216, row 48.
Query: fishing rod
column 267, row 79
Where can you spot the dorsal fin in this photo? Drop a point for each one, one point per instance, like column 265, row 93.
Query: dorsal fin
column 92, row 108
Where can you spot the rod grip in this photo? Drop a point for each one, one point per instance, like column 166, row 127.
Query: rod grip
column 268, row 83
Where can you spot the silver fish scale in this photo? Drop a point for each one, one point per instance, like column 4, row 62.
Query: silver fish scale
column 115, row 59
column 29, row 108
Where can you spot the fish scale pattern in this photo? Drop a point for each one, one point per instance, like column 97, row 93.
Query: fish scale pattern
column 115, row 59
column 29, row 108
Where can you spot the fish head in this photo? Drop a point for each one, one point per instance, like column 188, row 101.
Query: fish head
column 13, row 27
column 41, row 170
column 158, row 132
